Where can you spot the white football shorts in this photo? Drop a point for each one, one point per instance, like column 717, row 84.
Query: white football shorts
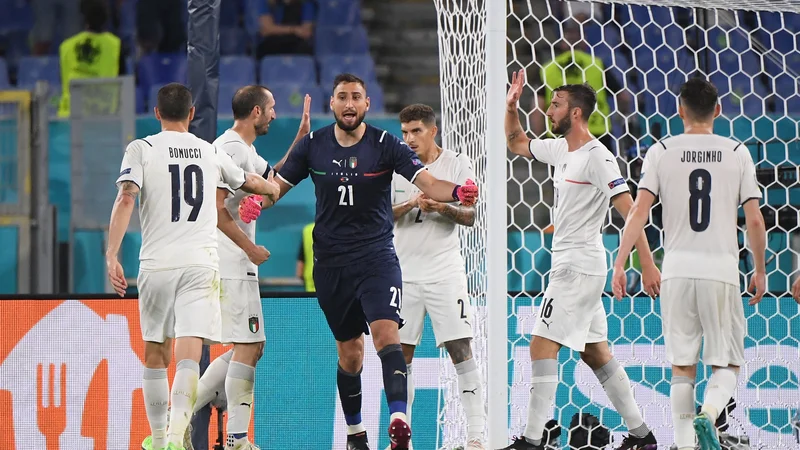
column 447, row 304
column 242, row 317
column 181, row 302
column 571, row 312
column 703, row 311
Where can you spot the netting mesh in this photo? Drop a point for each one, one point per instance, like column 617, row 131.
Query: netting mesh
column 751, row 51
column 462, row 40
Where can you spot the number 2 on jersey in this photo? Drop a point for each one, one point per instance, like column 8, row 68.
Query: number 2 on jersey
column 192, row 176
column 699, row 200
column 346, row 195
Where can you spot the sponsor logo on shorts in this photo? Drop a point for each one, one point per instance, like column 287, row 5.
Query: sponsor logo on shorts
column 252, row 322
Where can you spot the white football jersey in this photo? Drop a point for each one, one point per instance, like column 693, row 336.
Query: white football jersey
column 177, row 174
column 701, row 180
column 427, row 244
column 584, row 181
column 233, row 261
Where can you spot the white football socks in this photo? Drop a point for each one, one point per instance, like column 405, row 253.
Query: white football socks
column 471, row 387
column 184, row 394
column 719, row 391
column 239, row 389
column 544, row 382
column 617, row 385
column 681, row 397
column 155, row 388
column 213, row 380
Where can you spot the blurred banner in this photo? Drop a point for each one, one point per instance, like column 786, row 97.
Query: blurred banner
column 70, row 375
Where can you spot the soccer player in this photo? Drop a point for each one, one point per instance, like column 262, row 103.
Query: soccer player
column 434, row 282
column 585, row 177
column 178, row 281
column 356, row 273
column 701, row 179
column 242, row 319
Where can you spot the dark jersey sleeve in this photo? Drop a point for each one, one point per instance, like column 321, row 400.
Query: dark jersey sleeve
column 295, row 169
column 404, row 160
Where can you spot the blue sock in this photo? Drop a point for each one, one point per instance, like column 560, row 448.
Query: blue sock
column 394, row 377
column 349, row 385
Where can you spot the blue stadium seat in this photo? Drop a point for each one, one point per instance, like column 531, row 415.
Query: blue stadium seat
column 359, row 65
column 341, row 41
column 225, row 96
column 141, row 101
column 35, row 68
column 237, row 69
column 127, row 20
column 232, row 41
column 375, row 94
column 157, row 69
column 250, row 12
column 289, row 97
column 4, row 84
column 16, row 16
column 339, row 13
column 287, row 69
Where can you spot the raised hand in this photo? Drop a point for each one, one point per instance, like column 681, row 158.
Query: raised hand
column 515, row 91
column 250, row 208
column 467, row 193
column 305, row 121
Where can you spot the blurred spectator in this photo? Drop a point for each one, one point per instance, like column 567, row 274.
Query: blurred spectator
column 92, row 53
column 50, row 15
column 160, row 26
column 574, row 65
column 582, row 11
column 305, row 259
column 286, row 27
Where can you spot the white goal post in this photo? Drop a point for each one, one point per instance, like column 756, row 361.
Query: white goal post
column 645, row 49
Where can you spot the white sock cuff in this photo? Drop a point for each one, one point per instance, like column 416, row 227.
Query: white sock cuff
column 194, row 366
column 242, row 371
column 544, row 371
column 607, row 371
column 467, row 366
column 154, row 374
column 681, row 380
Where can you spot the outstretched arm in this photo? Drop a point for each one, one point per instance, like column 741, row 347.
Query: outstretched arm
column 118, row 225
column 445, row 191
column 518, row 142
column 305, row 128
column 460, row 214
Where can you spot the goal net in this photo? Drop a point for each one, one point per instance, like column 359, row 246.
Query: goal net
column 639, row 53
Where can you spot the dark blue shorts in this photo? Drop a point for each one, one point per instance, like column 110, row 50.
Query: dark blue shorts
column 354, row 296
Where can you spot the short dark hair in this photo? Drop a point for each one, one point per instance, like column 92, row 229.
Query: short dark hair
column 699, row 97
column 174, row 102
column 418, row 111
column 95, row 14
column 348, row 78
column 247, row 98
column 581, row 96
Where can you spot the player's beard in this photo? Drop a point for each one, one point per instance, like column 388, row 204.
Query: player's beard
column 563, row 126
column 262, row 128
column 356, row 123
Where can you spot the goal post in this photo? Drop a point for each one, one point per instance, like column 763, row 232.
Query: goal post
column 750, row 49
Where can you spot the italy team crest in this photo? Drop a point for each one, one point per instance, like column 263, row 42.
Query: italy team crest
column 352, row 162
column 253, row 323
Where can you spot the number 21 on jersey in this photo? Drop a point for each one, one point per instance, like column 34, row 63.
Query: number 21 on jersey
column 346, row 195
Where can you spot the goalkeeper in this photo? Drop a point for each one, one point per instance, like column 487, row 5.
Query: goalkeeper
column 586, row 176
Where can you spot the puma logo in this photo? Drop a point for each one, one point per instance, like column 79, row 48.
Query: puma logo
column 246, row 404
column 469, row 392
column 548, row 324
column 355, row 395
column 338, row 163
column 397, row 372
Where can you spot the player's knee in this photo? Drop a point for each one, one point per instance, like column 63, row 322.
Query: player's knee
column 460, row 350
column 596, row 356
column 351, row 355
column 408, row 352
column 157, row 355
column 543, row 348
column 384, row 332
column 689, row 371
